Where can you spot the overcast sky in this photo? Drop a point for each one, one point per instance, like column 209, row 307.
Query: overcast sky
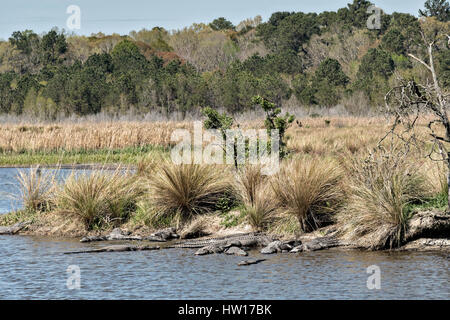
column 124, row 16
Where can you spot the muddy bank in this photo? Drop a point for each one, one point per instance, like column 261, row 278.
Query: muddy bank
column 427, row 231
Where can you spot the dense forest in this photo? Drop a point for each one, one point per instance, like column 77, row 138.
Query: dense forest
column 293, row 59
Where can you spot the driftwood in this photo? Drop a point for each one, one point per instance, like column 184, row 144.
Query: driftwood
column 13, row 229
column 120, row 235
column 117, row 248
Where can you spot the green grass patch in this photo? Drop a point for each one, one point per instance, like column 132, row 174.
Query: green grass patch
column 17, row 216
column 438, row 202
column 130, row 155
column 232, row 219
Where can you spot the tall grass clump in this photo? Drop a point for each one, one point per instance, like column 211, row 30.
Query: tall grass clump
column 249, row 182
column 99, row 198
column 185, row 190
column 381, row 188
column 262, row 212
column 36, row 188
column 309, row 189
column 259, row 204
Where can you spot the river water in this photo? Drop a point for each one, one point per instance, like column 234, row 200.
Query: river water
column 36, row 268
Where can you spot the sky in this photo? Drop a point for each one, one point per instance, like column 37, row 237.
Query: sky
column 112, row 16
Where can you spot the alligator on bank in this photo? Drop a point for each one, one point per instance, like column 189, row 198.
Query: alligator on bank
column 225, row 244
column 13, row 229
column 120, row 235
column 117, row 248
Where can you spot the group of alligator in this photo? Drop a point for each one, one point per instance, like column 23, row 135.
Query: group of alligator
column 237, row 244
column 427, row 230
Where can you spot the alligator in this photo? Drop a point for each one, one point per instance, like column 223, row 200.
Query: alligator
column 120, row 235
column 316, row 244
column 250, row 262
column 15, row 228
column 116, row 248
column 253, row 239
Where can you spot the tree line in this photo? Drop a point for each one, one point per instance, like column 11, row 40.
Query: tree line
column 293, row 59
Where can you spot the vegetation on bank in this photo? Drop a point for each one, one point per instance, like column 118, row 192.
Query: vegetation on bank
column 369, row 202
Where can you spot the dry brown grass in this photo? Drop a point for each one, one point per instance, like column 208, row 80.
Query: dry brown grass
column 249, row 181
column 315, row 137
column 36, row 188
column 262, row 212
column 187, row 190
column 86, row 135
column 99, row 198
column 381, row 187
column 309, row 189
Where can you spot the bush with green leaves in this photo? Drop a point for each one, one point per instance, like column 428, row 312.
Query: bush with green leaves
column 274, row 121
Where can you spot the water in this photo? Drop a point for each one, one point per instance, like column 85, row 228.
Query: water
column 35, row 268
column 10, row 198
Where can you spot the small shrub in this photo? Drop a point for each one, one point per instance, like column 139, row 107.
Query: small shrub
column 17, row 216
column 232, row 219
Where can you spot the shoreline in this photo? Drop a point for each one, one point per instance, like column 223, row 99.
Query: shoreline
column 213, row 243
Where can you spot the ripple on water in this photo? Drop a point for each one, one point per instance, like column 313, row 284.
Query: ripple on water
column 35, row 268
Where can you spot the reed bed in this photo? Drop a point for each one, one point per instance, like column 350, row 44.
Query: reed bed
column 316, row 136
column 86, row 136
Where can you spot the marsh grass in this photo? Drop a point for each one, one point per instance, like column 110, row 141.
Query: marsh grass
column 381, row 189
column 99, row 199
column 127, row 155
column 183, row 191
column 249, row 181
column 259, row 204
column 261, row 213
column 36, row 188
column 309, row 189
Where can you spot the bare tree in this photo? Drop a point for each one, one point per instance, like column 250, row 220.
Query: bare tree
column 410, row 102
